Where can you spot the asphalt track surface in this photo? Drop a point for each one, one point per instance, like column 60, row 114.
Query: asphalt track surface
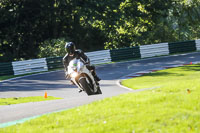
column 56, row 85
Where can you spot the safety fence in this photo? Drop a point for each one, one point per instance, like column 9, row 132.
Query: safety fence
column 29, row 66
column 181, row 47
column 54, row 62
column 102, row 56
column 154, row 50
column 197, row 45
column 99, row 57
column 125, row 53
column 6, row 69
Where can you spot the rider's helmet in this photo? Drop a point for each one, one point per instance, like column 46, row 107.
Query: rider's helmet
column 70, row 47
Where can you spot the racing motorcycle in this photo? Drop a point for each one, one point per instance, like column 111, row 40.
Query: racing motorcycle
column 82, row 77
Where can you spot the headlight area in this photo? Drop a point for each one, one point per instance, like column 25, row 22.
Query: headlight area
column 74, row 74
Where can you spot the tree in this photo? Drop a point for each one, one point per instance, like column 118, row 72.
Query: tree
column 136, row 23
column 29, row 27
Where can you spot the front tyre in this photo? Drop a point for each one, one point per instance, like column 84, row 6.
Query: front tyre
column 88, row 89
column 98, row 90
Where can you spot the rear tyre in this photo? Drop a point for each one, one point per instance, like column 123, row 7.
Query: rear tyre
column 88, row 89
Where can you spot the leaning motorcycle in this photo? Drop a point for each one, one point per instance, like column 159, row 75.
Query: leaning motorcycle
column 82, row 77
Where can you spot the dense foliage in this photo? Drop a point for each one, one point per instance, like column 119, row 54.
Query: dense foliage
column 39, row 28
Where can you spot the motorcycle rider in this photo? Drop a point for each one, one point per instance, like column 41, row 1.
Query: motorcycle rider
column 72, row 53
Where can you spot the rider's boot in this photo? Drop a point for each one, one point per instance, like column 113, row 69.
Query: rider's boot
column 95, row 76
column 97, row 79
column 97, row 83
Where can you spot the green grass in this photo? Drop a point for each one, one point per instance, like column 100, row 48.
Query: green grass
column 7, row 77
column 167, row 109
column 17, row 100
column 183, row 77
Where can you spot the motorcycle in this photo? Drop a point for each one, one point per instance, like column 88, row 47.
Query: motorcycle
column 82, row 77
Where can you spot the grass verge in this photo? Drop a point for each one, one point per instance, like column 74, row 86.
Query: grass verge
column 17, row 100
column 181, row 77
column 170, row 108
column 8, row 77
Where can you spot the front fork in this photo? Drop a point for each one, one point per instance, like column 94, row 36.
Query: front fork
column 74, row 80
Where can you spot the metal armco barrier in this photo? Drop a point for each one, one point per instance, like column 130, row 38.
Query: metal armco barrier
column 125, row 53
column 54, row 62
column 197, row 44
column 154, row 50
column 102, row 56
column 181, row 47
column 99, row 57
column 29, row 66
column 6, row 69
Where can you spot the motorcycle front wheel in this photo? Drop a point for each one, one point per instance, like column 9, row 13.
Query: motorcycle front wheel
column 86, row 86
column 98, row 90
